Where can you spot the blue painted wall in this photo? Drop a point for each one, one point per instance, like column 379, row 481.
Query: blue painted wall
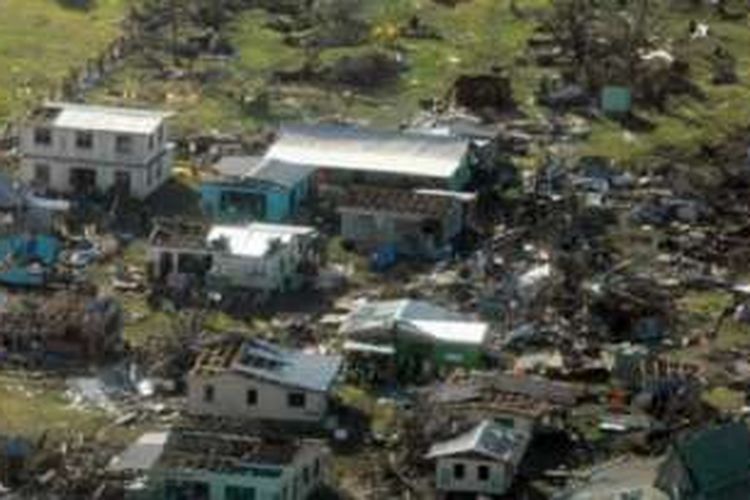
column 280, row 203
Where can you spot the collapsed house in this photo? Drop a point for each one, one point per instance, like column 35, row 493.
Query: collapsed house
column 414, row 338
column 76, row 149
column 22, row 211
column 262, row 381
column 629, row 478
column 259, row 256
column 414, row 223
column 482, row 461
column 28, row 260
column 485, row 397
column 64, row 327
column 203, row 465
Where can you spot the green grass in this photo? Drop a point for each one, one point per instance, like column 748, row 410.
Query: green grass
column 477, row 35
column 40, row 42
column 688, row 123
column 31, row 407
column 724, row 399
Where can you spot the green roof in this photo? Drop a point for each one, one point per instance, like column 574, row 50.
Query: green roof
column 717, row 459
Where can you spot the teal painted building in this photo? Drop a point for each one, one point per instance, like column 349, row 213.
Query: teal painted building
column 245, row 189
column 329, row 159
column 202, row 465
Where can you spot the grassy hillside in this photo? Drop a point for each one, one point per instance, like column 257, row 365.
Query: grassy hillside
column 40, row 41
column 475, row 36
column 689, row 123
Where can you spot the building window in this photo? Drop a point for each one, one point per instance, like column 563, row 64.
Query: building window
column 306, row 475
column 483, row 473
column 251, row 397
column 84, row 140
column 208, row 394
column 123, row 144
column 42, row 136
column 459, row 471
column 41, row 175
column 316, row 468
column 239, row 493
column 296, row 399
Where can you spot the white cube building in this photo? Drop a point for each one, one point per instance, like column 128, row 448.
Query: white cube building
column 77, row 150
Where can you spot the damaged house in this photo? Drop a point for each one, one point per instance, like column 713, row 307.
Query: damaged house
column 187, row 463
column 21, row 210
column 259, row 256
column 76, row 149
column 415, row 337
column 414, row 223
column 65, row 327
column 262, row 381
column 389, row 188
column 481, row 461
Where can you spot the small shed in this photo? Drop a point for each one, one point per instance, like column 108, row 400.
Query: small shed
column 482, row 461
column 616, row 100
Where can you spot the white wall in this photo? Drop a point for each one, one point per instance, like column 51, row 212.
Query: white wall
column 499, row 480
column 266, row 273
column 64, row 145
column 230, row 391
column 63, row 156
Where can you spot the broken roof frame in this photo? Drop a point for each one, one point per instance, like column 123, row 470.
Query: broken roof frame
column 271, row 363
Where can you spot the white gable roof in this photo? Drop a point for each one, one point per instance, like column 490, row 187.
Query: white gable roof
column 107, row 119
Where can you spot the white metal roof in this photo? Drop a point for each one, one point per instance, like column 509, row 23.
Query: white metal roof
column 142, row 454
column 107, row 118
column 418, row 317
column 458, row 332
column 352, row 148
column 489, row 439
column 256, row 239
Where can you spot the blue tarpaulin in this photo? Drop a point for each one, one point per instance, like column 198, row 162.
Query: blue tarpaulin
column 19, row 253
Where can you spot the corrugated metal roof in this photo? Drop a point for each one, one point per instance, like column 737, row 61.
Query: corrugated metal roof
column 256, row 239
column 488, row 439
column 314, row 372
column 352, row 148
column 107, row 119
column 236, row 166
column 281, row 173
column 417, row 317
column 141, row 455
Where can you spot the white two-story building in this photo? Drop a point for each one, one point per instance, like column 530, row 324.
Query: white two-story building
column 77, row 150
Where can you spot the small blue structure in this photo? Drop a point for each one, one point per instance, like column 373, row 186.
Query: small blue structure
column 383, row 257
column 248, row 189
column 26, row 260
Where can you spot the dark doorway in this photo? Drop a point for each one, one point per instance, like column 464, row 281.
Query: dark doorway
column 83, row 180
column 122, row 183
